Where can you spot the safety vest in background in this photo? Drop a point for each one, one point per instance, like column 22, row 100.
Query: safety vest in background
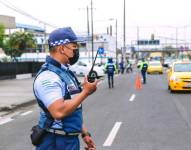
column 110, row 68
column 144, row 66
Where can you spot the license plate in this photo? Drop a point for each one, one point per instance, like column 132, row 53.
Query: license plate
column 188, row 85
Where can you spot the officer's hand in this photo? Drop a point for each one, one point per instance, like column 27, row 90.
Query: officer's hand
column 88, row 87
column 90, row 144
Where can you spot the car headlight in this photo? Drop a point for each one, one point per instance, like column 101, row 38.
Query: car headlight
column 174, row 78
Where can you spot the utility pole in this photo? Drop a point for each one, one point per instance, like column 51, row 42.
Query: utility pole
column 177, row 53
column 92, row 31
column 116, row 42
column 124, row 38
column 44, row 38
column 138, row 40
column 88, row 33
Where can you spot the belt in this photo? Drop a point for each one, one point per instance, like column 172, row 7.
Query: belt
column 61, row 132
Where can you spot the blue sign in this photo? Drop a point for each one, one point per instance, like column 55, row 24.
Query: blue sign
column 100, row 50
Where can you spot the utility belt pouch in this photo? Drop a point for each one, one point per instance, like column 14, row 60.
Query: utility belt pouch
column 37, row 135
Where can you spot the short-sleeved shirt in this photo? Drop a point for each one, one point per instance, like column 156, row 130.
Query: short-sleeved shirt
column 48, row 88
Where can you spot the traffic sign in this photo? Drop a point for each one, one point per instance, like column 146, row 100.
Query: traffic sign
column 100, row 50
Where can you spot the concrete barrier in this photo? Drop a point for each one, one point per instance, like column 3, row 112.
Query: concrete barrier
column 23, row 76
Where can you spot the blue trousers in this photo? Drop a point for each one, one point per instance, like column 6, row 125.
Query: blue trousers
column 58, row 142
column 144, row 76
column 110, row 80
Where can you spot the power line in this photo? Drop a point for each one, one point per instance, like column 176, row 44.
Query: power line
column 16, row 9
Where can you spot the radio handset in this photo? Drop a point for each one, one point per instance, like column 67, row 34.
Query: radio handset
column 92, row 75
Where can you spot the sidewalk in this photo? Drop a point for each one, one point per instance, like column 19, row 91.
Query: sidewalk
column 15, row 93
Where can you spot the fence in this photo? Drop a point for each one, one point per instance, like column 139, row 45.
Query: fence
column 11, row 69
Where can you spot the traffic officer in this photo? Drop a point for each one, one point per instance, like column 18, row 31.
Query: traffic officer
column 57, row 88
column 110, row 69
column 143, row 68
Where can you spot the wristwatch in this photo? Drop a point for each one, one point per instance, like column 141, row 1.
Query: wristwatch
column 85, row 134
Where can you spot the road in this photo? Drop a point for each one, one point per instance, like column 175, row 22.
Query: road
column 119, row 119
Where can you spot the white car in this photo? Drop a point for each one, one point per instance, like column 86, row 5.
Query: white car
column 82, row 68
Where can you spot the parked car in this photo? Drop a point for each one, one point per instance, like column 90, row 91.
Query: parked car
column 82, row 68
column 179, row 76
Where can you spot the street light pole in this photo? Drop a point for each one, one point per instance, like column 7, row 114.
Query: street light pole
column 116, row 42
column 92, row 31
column 124, row 38
column 88, row 33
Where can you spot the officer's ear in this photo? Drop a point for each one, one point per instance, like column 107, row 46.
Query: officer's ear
column 61, row 49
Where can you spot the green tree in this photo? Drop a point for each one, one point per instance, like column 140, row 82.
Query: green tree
column 19, row 42
column 2, row 35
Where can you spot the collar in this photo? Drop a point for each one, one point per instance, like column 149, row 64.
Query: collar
column 52, row 61
column 65, row 67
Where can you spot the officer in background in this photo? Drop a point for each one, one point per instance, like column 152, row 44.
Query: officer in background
column 57, row 88
column 143, row 68
column 110, row 69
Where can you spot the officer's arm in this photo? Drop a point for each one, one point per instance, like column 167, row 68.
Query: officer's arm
column 62, row 108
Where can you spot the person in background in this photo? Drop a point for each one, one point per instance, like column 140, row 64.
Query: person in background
column 110, row 69
column 143, row 68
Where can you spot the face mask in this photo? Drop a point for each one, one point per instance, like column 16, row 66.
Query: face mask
column 74, row 59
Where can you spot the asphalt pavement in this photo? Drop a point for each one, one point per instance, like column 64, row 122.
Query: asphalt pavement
column 122, row 118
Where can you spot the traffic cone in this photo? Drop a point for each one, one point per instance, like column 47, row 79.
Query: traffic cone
column 138, row 84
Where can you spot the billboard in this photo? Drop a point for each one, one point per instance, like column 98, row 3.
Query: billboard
column 8, row 21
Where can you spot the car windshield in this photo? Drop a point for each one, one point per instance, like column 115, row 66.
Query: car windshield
column 154, row 64
column 182, row 67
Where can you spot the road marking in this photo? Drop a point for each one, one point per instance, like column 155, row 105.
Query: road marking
column 112, row 134
column 132, row 97
column 26, row 113
column 5, row 120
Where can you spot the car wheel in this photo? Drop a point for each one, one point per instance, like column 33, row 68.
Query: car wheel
column 171, row 91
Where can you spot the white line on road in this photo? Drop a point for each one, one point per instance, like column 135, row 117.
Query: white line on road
column 26, row 113
column 112, row 134
column 132, row 97
column 5, row 120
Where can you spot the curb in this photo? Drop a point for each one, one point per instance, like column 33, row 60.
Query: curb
column 14, row 107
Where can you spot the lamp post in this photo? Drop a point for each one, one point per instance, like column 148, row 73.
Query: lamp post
column 115, row 39
column 124, row 30
column 92, row 39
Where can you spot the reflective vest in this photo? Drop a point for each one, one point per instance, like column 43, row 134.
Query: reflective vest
column 72, row 122
column 144, row 66
column 110, row 68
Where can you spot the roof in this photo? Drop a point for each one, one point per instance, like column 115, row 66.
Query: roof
column 30, row 27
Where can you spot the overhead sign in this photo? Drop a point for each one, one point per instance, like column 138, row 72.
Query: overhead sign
column 148, row 42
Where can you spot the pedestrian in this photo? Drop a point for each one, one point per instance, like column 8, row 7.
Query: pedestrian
column 110, row 69
column 121, row 66
column 143, row 68
column 60, row 96
column 129, row 66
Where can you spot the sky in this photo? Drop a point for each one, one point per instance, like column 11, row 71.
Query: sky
column 161, row 17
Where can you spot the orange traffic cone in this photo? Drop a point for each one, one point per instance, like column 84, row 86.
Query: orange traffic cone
column 138, row 84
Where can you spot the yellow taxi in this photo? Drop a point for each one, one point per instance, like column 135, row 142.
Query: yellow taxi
column 179, row 76
column 155, row 67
